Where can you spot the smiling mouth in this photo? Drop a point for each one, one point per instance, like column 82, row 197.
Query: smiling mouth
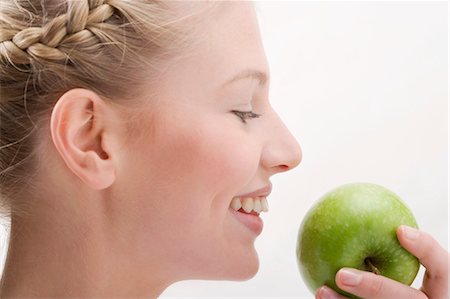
column 250, row 205
column 250, row 219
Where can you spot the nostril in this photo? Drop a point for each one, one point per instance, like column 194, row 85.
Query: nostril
column 283, row 167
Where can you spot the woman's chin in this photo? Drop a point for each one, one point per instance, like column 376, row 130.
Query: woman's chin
column 243, row 276
column 238, row 270
column 245, row 269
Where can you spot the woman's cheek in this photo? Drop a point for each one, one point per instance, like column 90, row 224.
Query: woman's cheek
column 230, row 158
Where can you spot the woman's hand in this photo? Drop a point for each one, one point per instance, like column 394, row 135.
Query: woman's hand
column 370, row 286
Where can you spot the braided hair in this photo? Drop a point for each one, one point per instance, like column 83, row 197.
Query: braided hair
column 49, row 47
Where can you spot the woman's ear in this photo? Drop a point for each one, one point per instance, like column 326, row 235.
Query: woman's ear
column 78, row 125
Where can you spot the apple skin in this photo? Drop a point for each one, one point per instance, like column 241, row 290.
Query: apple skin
column 348, row 225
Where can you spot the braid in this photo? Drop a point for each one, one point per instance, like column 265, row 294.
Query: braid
column 47, row 47
column 50, row 46
column 47, row 42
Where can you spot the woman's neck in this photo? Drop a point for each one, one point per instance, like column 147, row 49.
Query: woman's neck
column 66, row 256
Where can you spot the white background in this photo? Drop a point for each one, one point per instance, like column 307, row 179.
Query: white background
column 364, row 88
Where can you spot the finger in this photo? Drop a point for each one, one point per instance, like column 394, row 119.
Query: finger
column 431, row 255
column 371, row 286
column 325, row 292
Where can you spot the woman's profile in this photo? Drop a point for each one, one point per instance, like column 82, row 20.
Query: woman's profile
column 136, row 139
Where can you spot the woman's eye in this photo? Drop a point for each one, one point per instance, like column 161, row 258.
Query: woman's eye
column 244, row 115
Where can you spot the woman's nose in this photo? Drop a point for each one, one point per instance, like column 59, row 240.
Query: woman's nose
column 281, row 152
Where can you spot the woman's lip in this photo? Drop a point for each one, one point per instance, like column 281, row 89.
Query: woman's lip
column 260, row 192
column 252, row 222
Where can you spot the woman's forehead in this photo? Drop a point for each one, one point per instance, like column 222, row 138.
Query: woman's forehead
column 226, row 47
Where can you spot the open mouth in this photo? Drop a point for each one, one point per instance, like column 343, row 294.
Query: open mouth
column 246, row 211
column 250, row 205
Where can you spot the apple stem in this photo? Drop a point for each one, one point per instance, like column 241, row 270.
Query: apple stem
column 371, row 266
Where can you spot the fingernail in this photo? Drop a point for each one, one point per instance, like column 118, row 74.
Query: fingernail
column 326, row 293
column 349, row 277
column 410, row 233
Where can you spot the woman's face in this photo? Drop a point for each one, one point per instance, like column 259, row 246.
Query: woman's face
column 194, row 155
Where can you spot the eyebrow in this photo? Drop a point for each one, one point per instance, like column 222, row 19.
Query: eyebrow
column 260, row 76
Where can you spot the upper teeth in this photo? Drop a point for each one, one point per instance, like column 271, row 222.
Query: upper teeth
column 257, row 204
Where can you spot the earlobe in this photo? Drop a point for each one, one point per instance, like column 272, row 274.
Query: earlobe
column 78, row 129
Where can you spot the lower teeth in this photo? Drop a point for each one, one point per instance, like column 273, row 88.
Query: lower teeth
column 251, row 212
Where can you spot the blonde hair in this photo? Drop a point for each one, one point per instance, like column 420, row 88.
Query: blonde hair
column 49, row 47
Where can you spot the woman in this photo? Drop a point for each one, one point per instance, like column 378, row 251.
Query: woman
column 132, row 131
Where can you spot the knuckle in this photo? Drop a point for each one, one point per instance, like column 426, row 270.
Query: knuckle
column 375, row 285
column 427, row 247
column 431, row 255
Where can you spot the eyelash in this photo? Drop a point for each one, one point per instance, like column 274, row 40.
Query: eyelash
column 243, row 115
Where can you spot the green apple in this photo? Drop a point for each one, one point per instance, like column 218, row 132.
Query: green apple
column 355, row 226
